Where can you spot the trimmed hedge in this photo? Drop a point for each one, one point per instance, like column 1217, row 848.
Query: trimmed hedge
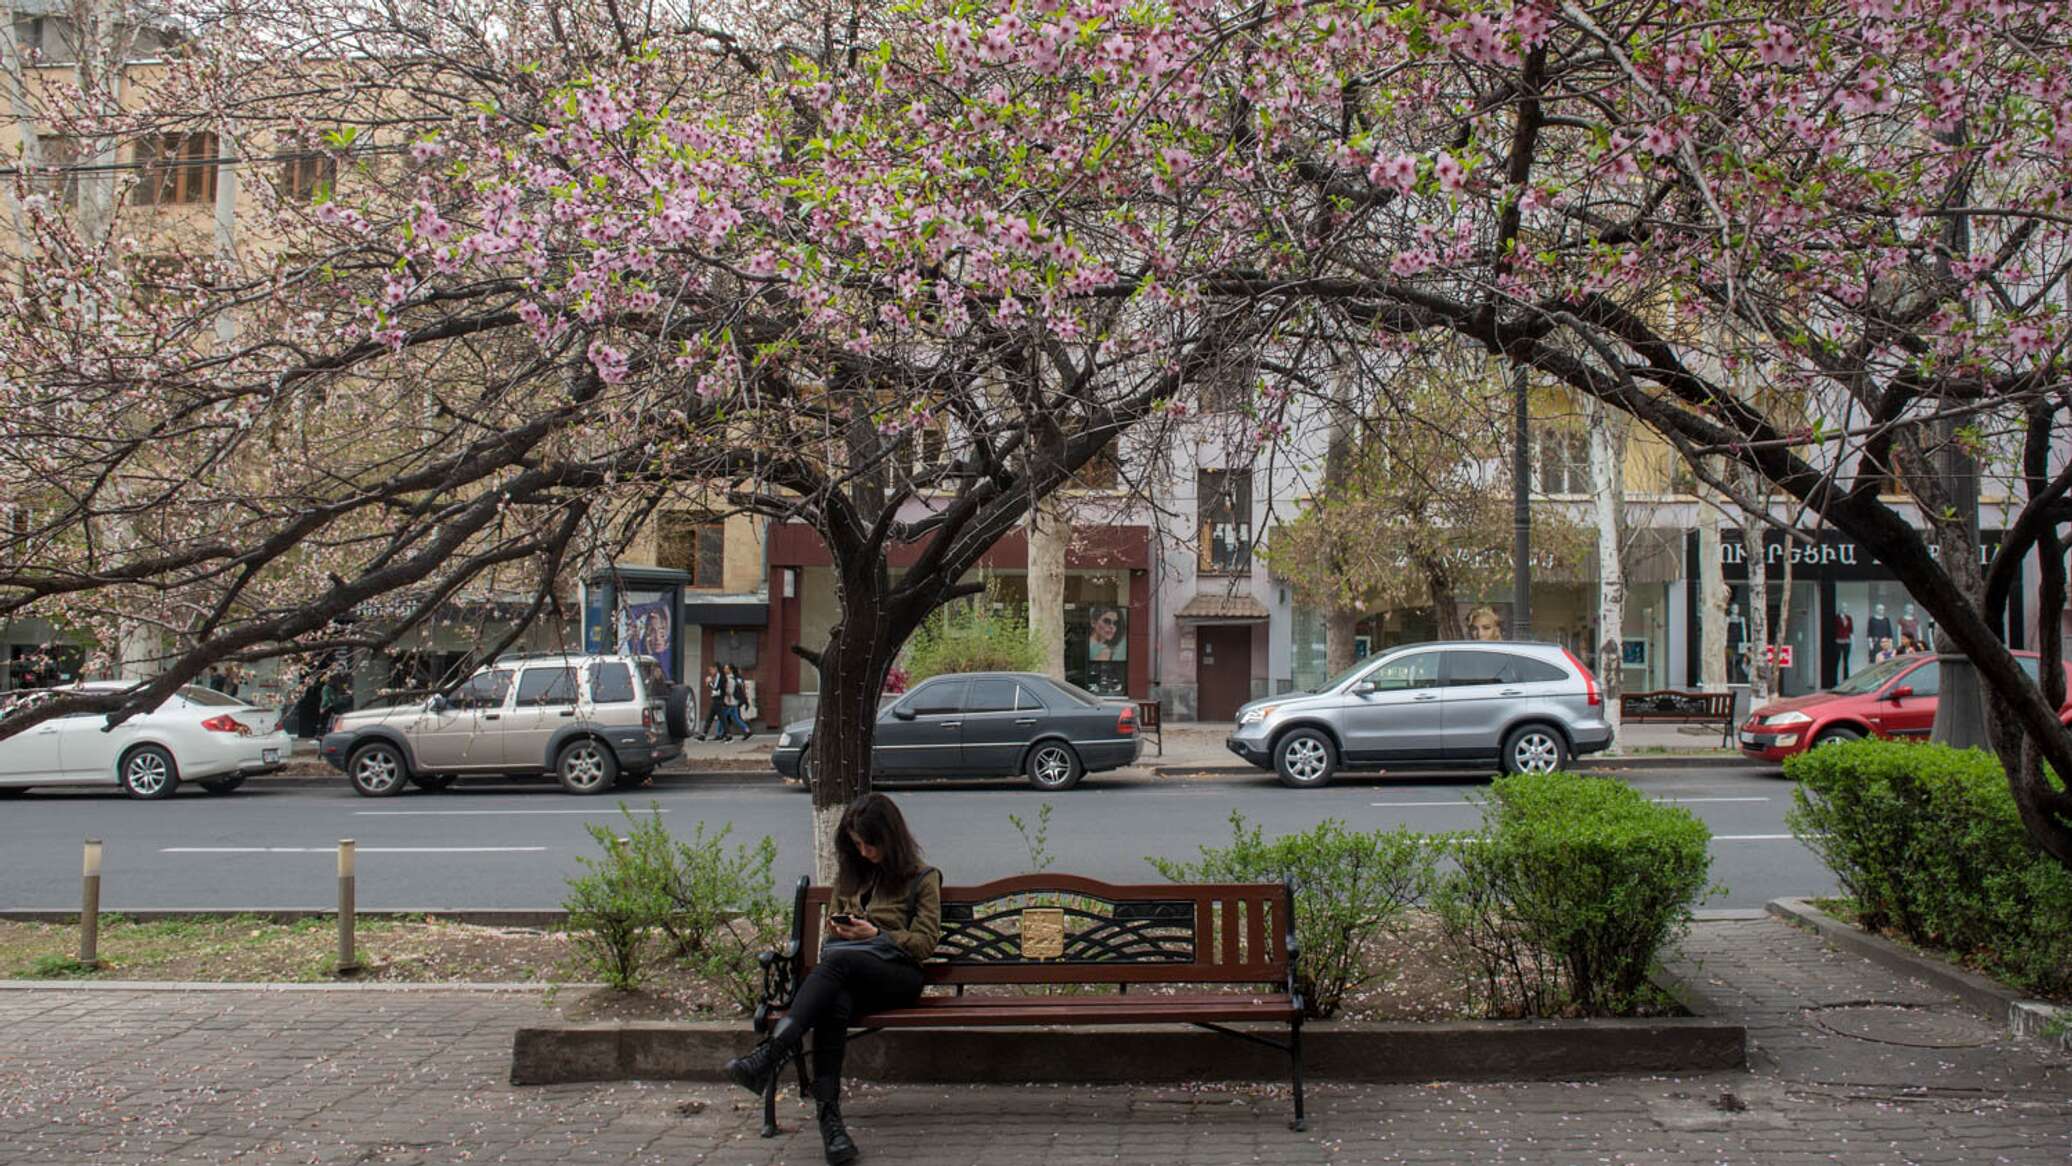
column 1926, row 839
column 1570, row 892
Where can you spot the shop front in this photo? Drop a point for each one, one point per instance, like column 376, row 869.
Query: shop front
column 1107, row 608
column 1843, row 610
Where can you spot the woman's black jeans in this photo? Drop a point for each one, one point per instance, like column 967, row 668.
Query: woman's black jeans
column 846, row 985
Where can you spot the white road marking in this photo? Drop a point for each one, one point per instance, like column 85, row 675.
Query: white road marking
column 362, row 850
column 1679, row 801
column 478, row 813
column 1752, row 837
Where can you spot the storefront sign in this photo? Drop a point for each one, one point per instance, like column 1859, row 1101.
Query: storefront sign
column 1778, row 654
column 1834, row 556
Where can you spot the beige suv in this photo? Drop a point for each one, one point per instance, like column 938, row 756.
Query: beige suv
column 591, row 721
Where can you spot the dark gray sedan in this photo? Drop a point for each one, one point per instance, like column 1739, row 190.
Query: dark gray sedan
column 989, row 724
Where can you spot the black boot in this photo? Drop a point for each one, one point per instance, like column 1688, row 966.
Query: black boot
column 834, row 1136
column 755, row 1071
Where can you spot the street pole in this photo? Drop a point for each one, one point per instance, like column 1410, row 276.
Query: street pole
column 348, row 960
column 90, row 906
column 1521, row 508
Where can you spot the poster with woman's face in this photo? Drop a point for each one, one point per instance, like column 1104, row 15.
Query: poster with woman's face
column 644, row 630
column 1107, row 635
column 1483, row 621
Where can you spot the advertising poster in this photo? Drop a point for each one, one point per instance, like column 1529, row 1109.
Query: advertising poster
column 1107, row 635
column 645, row 629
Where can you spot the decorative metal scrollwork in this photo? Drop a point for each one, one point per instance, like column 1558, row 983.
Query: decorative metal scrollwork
column 1076, row 928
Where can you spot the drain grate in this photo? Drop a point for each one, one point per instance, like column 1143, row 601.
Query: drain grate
column 1901, row 1024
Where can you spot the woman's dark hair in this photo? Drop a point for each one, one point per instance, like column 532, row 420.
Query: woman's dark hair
column 877, row 821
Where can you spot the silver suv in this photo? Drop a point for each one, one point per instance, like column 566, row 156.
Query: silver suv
column 591, row 721
column 1528, row 708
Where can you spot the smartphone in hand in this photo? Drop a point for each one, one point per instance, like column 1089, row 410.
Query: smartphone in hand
column 844, row 918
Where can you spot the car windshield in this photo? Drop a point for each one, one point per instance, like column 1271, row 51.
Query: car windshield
column 1364, row 664
column 1874, row 677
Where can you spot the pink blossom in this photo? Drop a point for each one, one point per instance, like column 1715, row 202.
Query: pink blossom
column 610, row 363
column 1397, row 172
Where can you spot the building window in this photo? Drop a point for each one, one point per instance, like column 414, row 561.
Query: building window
column 58, row 177
column 305, row 174
column 179, row 169
column 1101, row 472
column 1228, row 388
column 1561, row 461
column 1226, row 520
column 692, row 542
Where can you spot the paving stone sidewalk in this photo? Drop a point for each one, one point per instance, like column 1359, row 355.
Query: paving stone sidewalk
column 94, row 1077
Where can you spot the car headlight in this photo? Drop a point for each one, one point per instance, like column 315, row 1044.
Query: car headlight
column 1254, row 716
column 784, row 740
column 1793, row 717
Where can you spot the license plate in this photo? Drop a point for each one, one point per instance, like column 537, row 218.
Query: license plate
column 269, row 756
column 1751, row 739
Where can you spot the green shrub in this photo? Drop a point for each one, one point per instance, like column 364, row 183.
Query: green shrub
column 971, row 637
column 1350, row 888
column 1564, row 900
column 710, row 909
column 1928, row 842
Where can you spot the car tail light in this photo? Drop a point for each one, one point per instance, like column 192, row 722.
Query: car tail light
column 647, row 717
column 1590, row 693
column 1126, row 723
column 226, row 724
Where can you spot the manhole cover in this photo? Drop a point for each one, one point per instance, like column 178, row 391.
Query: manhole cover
column 1896, row 1024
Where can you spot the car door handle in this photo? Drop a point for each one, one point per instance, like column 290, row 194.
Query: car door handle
column 953, row 724
column 568, row 712
column 491, row 716
column 1512, row 692
column 1426, row 696
column 1026, row 721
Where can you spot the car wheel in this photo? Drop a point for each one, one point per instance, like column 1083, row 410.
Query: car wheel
column 1838, row 733
column 148, row 772
column 432, row 783
column 1535, row 749
column 586, row 767
column 222, row 785
column 805, row 778
column 377, row 770
column 1305, row 759
column 1053, row 767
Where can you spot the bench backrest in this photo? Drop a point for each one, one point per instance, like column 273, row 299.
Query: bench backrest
column 1671, row 703
column 1055, row 928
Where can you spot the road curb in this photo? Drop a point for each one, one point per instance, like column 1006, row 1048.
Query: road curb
column 1608, row 765
column 2023, row 1017
column 1487, row 1050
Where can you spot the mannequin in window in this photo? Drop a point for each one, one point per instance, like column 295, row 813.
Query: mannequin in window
column 1842, row 634
column 1878, row 628
column 1737, row 646
column 1909, row 624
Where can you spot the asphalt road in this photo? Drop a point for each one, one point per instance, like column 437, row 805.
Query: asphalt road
column 483, row 845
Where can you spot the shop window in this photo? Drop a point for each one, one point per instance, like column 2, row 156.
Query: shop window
column 694, row 543
column 305, row 174
column 736, row 646
column 1560, row 461
column 178, row 169
column 58, row 179
column 1226, row 520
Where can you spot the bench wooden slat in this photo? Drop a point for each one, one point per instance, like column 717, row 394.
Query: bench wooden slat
column 1255, row 933
column 1001, row 1011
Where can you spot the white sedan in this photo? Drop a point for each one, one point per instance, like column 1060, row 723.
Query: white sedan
column 197, row 735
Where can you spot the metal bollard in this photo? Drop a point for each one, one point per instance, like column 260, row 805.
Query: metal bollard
column 90, row 906
column 347, row 961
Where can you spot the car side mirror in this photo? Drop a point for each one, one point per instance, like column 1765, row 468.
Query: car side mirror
column 903, row 713
column 436, row 704
column 1900, row 693
column 1366, row 688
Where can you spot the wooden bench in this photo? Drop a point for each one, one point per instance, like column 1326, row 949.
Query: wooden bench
column 1690, row 708
column 1056, row 929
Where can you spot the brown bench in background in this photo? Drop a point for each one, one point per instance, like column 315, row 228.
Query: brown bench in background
column 1689, row 708
column 1149, row 724
column 1047, row 929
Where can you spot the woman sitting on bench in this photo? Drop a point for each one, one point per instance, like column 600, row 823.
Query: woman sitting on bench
column 886, row 914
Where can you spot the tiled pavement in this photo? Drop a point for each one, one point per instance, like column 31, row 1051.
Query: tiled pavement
column 105, row 1077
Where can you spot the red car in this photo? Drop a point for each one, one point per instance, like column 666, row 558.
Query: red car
column 1892, row 699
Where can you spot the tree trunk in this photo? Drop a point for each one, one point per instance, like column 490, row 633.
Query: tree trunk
column 1752, row 531
column 1341, row 625
column 1608, row 498
column 1712, row 599
column 1050, row 531
column 852, row 673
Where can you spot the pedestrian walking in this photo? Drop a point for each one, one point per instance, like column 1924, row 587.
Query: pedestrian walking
column 715, row 690
column 736, row 700
column 886, row 915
